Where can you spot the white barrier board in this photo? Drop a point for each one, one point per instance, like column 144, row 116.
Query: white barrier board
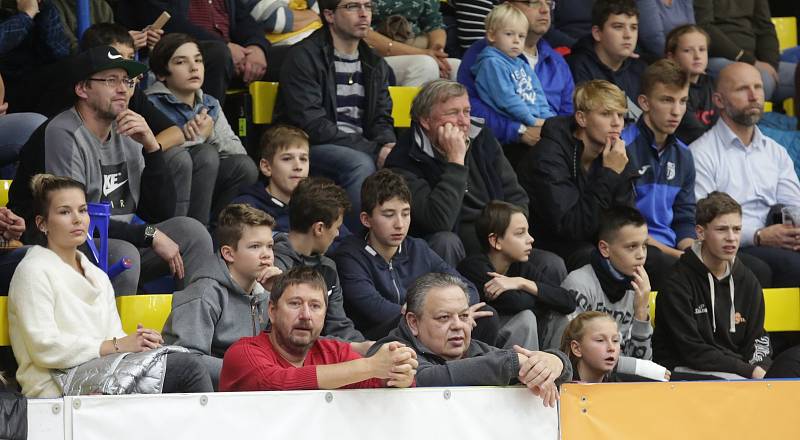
column 464, row 413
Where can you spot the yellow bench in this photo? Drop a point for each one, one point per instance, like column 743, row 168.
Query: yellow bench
column 782, row 309
column 151, row 311
column 786, row 30
column 5, row 185
column 265, row 95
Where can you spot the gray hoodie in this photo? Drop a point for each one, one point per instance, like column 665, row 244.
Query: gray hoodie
column 337, row 324
column 213, row 312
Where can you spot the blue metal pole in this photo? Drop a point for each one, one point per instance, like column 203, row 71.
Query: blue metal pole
column 82, row 13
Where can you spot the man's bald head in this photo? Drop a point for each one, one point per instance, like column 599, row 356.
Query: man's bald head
column 739, row 94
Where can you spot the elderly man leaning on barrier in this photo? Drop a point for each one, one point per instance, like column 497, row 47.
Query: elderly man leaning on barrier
column 437, row 326
column 291, row 356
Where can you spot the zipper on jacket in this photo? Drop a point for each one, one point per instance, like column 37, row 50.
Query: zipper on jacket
column 394, row 281
column 253, row 315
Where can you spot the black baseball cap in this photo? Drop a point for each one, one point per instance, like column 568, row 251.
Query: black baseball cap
column 100, row 58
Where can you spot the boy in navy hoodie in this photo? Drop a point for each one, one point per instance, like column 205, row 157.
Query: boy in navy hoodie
column 710, row 313
column 504, row 80
column 608, row 53
column 284, row 163
column 376, row 268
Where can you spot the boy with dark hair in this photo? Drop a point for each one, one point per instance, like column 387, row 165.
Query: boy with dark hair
column 229, row 300
column 665, row 188
column 512, row 278
column 378, row 267
column 608, row 52
column 316, row 212
column 212, row 164
column 284, row 163
column 615, row 280
column 710, row 313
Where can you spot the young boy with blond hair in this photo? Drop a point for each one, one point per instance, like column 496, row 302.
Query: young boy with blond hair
column 504, row 79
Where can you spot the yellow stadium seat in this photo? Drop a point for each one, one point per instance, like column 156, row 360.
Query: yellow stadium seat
column 402, row 97
column 653, row 308
column 4, row 341
column 786, row 29
column 788, row 106
column 149, row 310
column 4, row 186
column 767, row 106
column 783, row 309
column 264, row 95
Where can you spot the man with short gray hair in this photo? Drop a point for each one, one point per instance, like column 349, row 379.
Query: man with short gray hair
column 454, row 167
column 438, row 326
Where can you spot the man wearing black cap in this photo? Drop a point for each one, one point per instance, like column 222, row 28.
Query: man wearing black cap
column 113, row 152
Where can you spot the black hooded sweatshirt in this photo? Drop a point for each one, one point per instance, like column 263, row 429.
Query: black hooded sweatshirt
column 685, row 333
column 565, row 200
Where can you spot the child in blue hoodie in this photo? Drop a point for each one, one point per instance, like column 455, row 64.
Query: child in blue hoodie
column 504, row 79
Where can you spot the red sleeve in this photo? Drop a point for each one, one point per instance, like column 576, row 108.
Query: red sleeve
column 251, row 365
column 345, row 354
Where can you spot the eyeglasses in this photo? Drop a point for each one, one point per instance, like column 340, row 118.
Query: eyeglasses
column 537, row 4
column 356, row 7
column 115, row 82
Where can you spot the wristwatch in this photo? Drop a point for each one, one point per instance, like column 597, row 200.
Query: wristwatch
column 149, row 234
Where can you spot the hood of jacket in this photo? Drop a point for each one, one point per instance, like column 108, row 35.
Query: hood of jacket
column 492, row 53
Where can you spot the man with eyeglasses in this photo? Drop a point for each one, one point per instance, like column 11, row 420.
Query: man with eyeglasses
column 110, row 149
column 549, row 66
column 335, row 88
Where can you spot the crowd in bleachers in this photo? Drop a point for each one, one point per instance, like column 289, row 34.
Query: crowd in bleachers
column 565, row 160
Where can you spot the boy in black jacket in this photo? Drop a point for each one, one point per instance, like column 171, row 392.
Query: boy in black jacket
column 514, row 278
column 579, row 168
column 710, row 314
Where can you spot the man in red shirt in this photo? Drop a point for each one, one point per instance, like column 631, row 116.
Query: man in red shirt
column 290, row 356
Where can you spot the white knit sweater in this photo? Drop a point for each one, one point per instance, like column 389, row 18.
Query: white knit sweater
column 57, row 317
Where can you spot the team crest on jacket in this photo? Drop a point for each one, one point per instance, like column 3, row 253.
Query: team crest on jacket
column 670, row 170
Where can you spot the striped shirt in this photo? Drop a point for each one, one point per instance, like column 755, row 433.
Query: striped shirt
column 470, row 19
column 349, row 92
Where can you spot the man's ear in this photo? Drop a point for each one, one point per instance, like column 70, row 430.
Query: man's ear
column 413, row 324
column 644, row 104
column 265, row 167
column 425, row 123
column 271, row 309
column 365, row 220
column 493, row 242
column 597, row 33
column 575, row 348
column 227, row 254
column 716, row 98
column 700, row 231
column 80, row 90
column 602, row 245
column 580, row 118
column 317, row 229
column 327, row 15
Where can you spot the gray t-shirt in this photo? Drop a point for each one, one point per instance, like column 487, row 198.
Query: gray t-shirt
column 110, row 170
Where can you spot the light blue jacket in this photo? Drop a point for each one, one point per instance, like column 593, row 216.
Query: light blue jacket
column 510, row 86
column 222, row 135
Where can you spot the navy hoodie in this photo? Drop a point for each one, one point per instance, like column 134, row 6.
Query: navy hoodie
column 585, row 66
column 375, row 290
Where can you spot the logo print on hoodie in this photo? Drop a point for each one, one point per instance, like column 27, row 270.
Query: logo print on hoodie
column 116, row 188
column 700, row 309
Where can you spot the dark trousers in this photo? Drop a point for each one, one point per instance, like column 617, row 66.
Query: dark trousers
column 785, row 264
column 186, row 374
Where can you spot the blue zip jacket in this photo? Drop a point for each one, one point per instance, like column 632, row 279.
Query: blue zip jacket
column 510, row 87
column 374, row 290
column 665, row 190
column 553, row 74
